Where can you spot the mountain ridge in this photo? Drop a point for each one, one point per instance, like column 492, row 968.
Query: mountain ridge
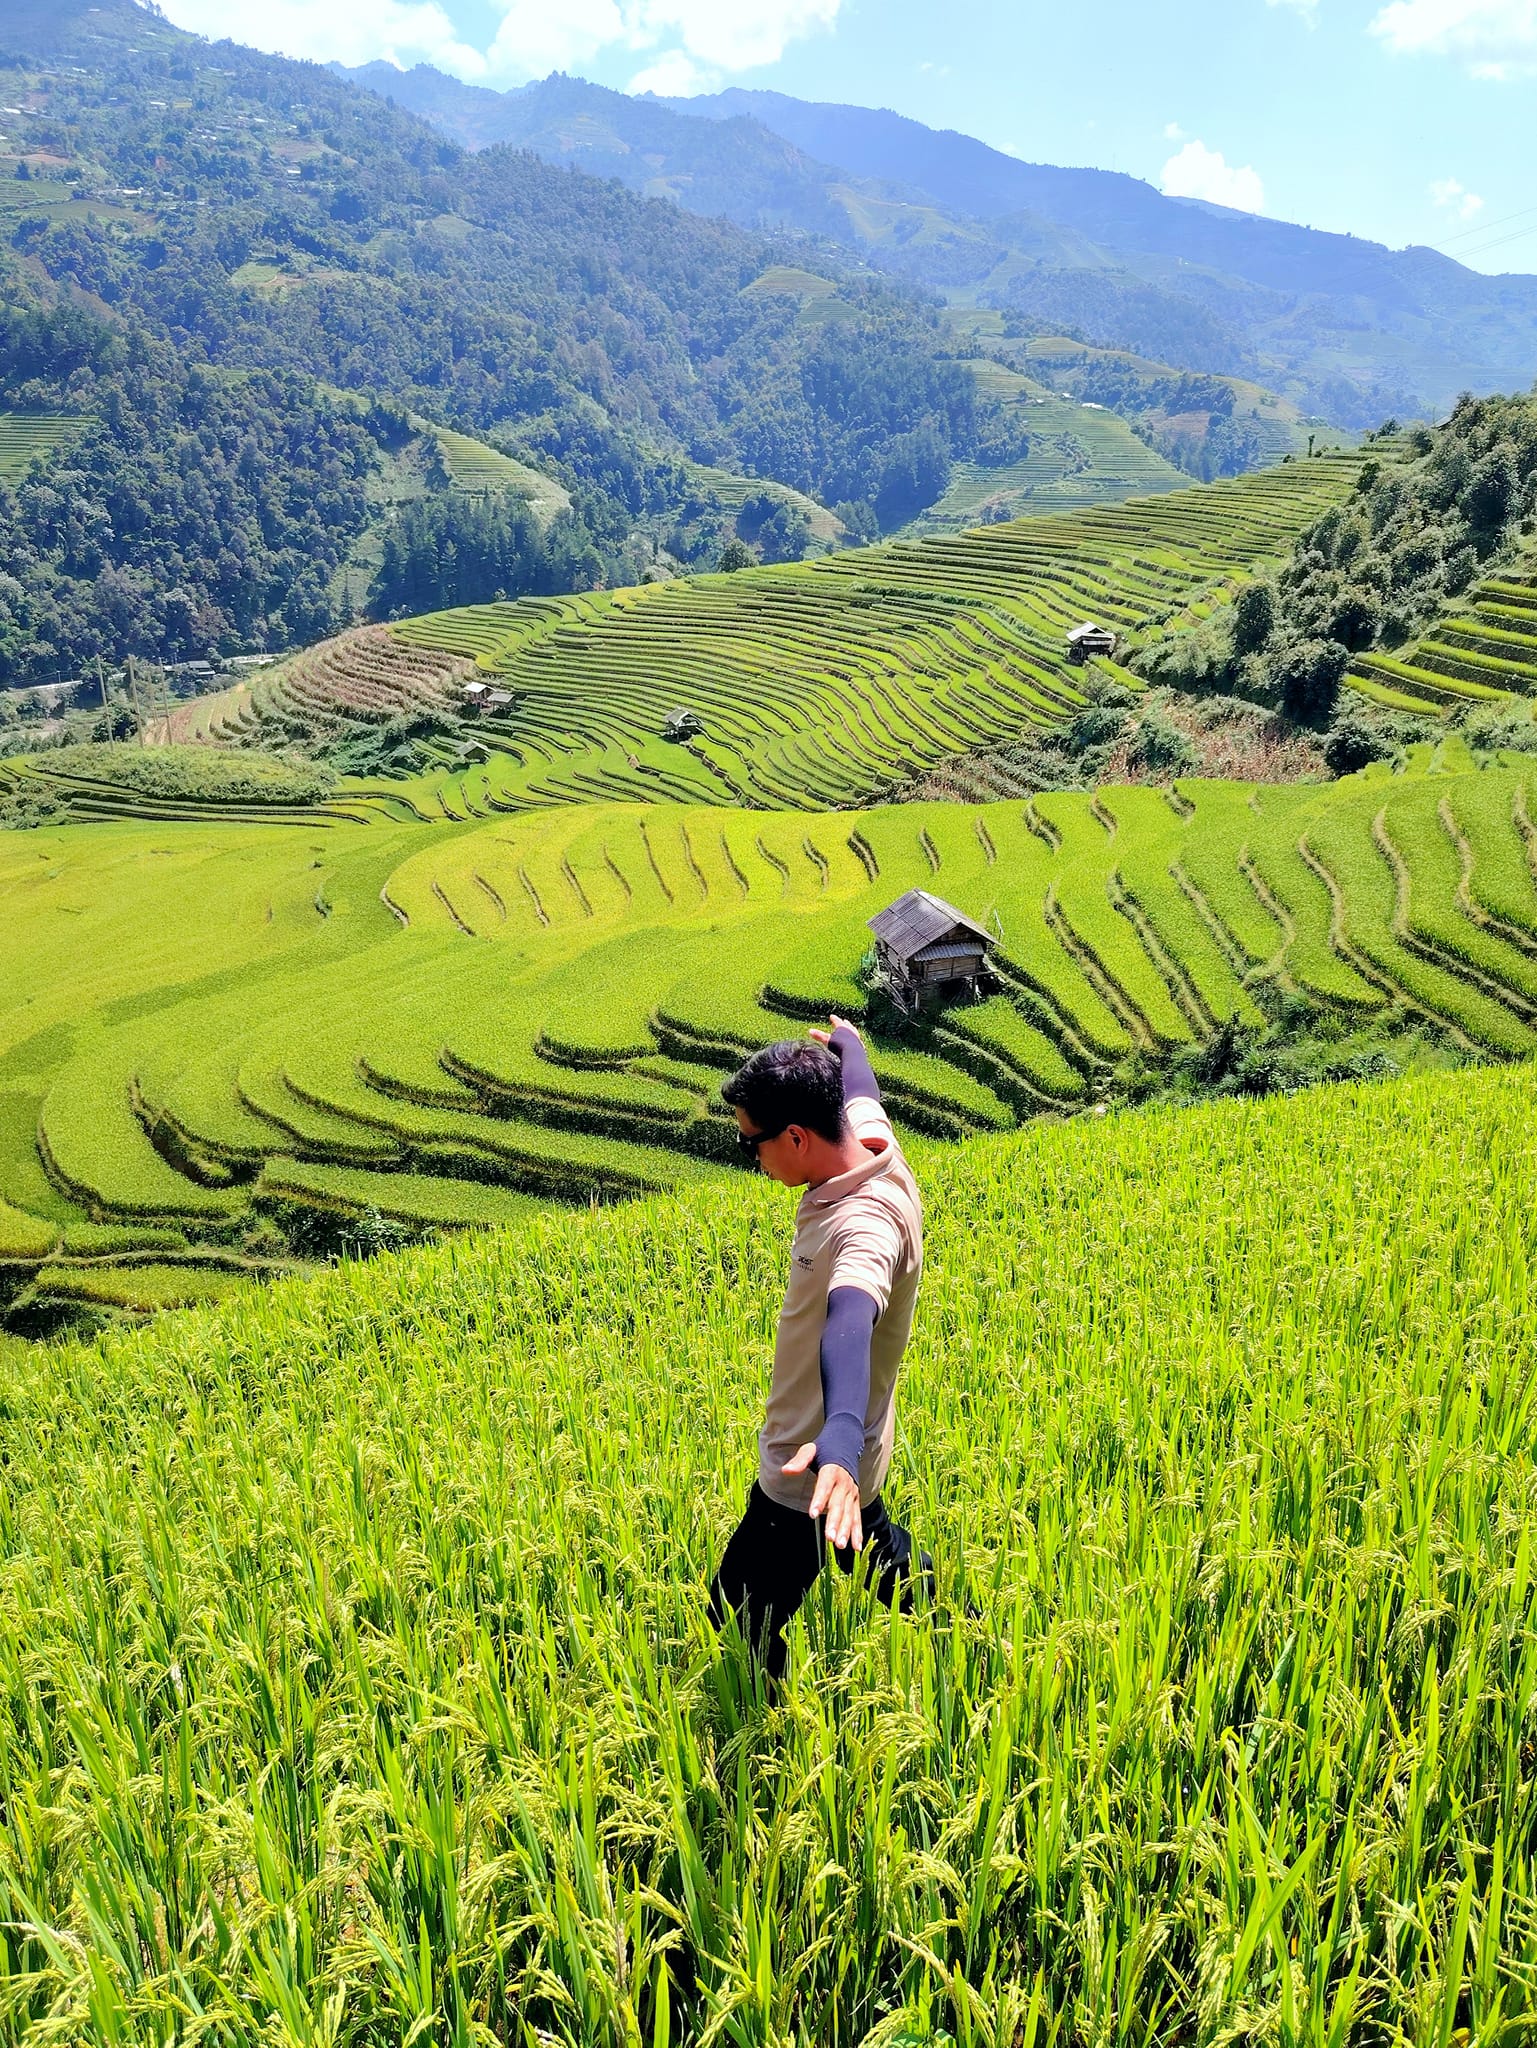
column 1345, row 325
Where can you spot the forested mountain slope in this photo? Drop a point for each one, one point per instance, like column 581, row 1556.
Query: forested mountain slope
column 1292, row 295
column 1097, row 252
column 248, row 284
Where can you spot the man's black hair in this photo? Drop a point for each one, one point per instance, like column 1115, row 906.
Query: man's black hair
column 795, row 1081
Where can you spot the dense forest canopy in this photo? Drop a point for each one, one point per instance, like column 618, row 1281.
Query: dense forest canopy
column 228, row 245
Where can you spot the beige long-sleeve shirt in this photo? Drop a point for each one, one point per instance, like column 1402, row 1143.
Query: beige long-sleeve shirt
column 862, row 1229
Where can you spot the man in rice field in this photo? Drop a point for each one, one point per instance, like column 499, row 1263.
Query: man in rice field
column 810, row 1114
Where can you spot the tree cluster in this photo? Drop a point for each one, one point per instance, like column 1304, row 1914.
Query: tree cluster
column 198, row 511
column 1426, row 519
column 455, row 549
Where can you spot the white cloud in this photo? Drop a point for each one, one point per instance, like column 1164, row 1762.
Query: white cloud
column 535, row 37
column 1173, row 132
column 1453, row 194
column 336, row 31
column 685, row 40
column 1496, row 38
column 737, row 35
column 1196, row 172
column 675, row 76
column 1308, row 9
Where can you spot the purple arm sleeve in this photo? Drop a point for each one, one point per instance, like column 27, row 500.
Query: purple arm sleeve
column 858, row 1075
column 851, row 1316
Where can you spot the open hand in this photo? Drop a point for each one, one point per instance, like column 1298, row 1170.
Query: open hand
column 836, row 1497
column 837, row 1024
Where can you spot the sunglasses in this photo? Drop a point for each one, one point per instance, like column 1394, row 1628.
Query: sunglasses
column 749, row 1141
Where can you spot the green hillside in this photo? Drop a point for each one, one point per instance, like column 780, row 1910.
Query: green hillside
column 734, row 491
column 815, row 684
column 199, row 1014
column 1207, row 424
column 359, row 1685
column 1080, row 455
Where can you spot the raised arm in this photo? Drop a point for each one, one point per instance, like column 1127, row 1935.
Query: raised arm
column 859, row 1082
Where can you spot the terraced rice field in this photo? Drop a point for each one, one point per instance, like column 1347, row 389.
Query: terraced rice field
column 733, row 490
column 1483, row 649
column 204, row 1023
column 475, row 466
column 817, row 685
column 24, row 436
column 1049, row 478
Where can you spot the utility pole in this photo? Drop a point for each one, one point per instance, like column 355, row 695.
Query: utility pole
column 133, row 691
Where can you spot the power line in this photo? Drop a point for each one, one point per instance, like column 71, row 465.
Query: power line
column 1521, row 235
column 1484, row 227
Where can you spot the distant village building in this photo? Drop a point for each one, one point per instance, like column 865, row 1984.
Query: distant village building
column 928, row 952
column 1088, row 640
column 681, row 725
column 481, row 698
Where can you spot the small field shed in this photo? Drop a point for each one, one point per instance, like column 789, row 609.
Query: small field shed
column 927, row 951
column 1087, row 640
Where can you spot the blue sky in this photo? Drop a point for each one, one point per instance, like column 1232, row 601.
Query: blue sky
column 1402, row 120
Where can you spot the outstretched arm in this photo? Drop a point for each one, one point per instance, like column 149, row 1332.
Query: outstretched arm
column 851, row 1317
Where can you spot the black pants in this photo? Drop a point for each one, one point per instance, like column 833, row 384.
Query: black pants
column 775, row 1556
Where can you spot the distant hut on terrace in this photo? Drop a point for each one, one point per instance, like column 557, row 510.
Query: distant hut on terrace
column 1088, row 640
column 681, row 725
column 928, row 952
column 481, row 698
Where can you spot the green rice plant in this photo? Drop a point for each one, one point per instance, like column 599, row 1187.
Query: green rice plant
column 176, row 1012
column 521, row 1154
column 1212, row 861
column 1411, row 829
column 1342, row 841
column 113, row 1240
column 1484, row 814
column 819, row 684
column 821, row 975
column 24, row 1239
column 1086, row 863
column 138, row 1290
column 1151, row 836
column 1299, row 897
column 415, row 1199
column 376, row 1604
column 298, row 1125
column 23, row 1183
column 95, row 1147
